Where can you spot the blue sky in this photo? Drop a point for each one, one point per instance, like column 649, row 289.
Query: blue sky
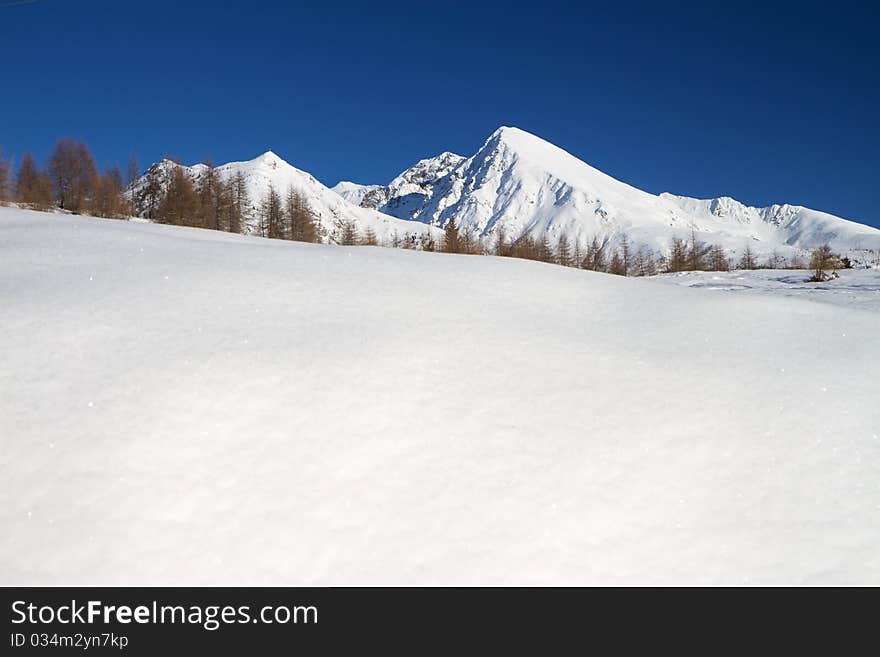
column 765, row 102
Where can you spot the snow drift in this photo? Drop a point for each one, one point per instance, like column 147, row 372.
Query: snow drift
column 189, row 407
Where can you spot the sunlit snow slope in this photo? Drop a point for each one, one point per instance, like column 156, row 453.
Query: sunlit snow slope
column 184, row 406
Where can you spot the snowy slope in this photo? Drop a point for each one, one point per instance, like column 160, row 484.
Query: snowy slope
column 855, row 288
column 524, row 184
column 353, row 192
column 404, row 196
column 185, row 406
column 327, row 205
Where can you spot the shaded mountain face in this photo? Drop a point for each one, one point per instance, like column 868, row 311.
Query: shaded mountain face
column 269, row 170
column 520, row 184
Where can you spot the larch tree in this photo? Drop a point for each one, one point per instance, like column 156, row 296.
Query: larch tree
column 595, row 259
column 239, row 201
column 369, row 238
column 74, row 173
column 625, row 254
column 210, row 199
column 502, row 246
column 107, row 198
column 563, row 251
column 717, row 259
column 301, row 222
column 5, row 179
column 272, row 215
column 824, row 263
column 696, row 253
column 180, row 204
column 616, row 266
column 450, row 238
column 348, row 234
column 748, row 261
column 33, row 187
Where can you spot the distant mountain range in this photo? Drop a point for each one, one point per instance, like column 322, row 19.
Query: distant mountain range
column 520, row 184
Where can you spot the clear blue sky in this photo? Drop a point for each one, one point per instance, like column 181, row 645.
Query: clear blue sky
column 766, row 102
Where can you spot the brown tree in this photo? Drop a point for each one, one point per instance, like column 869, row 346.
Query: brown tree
column 73, row 172
column 180, row 204
column 239, row 202
column 5, row 179
column 272, row 215
column 563, row 251
column 33, row 187
column 824, row 263
column 748, row 261
column 302, row 225
column 450, row 238
column 347, row 233
column 369, row 238
column 717, row 259
column 107, row 198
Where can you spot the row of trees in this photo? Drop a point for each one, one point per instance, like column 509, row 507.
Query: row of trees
column 627, row 260
column 71, row 181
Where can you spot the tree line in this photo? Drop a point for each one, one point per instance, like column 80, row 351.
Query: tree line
column 71, row 181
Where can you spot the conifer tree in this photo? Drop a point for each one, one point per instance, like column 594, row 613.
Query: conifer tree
column 696, row 253
column 717, row 259
column 594, row 258
column 180, row 204
column 616, row 266
column 563, row 251
column 107, row 195
column 73, row 172
column 301, row 223
column 272, row 215
column 5, row 179
column 209, row 198
column 239, row 202
column 450, row 238
column 502, row 246
column 747, row 261
column 824, row 262
column 33, row 187
column 348, row 234
column 625, row 254
column 677, row 260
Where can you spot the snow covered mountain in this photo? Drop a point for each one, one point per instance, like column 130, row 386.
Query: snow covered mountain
column 522, row 184
column 269, row 169
column 407, row 194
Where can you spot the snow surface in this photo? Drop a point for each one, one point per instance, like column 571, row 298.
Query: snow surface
column 189, row 407
column 857, row 288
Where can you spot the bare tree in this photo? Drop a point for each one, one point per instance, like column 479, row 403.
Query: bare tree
column 107, row 196
column 747, row 261
column 824, row 263
column 301, row 223
column 595, row 256
column 180, row 204
column 5, row 179
column 563, row 251
column 33, row 187
column 239, row 201
column 717, row 259
column 73, row 172
column 348, row 234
